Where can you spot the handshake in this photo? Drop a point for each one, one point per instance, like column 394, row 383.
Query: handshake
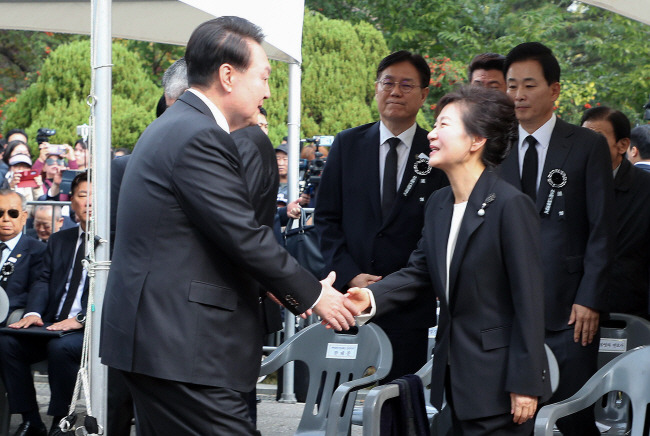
column 337, row 310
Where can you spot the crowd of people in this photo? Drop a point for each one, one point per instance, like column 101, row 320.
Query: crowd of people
column 518, row 227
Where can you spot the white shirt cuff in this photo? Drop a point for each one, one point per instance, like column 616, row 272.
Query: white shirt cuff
column 366, row 317
column 32, row 313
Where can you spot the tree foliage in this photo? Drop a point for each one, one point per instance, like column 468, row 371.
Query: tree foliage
column 338, row 71
column 604, row 57
column 57, row 99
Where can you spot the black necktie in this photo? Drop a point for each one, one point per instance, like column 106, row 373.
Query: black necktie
column 529, row 170
column 74, row 281
column 389, row 185
column 3, row 246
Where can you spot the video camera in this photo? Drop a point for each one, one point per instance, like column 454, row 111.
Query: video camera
column 311, row 170
column 43, row 135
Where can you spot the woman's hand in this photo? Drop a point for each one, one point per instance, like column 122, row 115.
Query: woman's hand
column 15, row 180
column 360, row 298
column 522, row 407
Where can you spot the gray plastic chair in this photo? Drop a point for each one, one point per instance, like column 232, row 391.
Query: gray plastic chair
column 440, row 421
column 628, row 373
column 337, row 362
column 620, row 333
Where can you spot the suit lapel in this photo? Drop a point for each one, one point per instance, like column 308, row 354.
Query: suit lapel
column 419, row 145
column 471, row 222
column 442, row 224
column 510, row 168
column 558, row 150
column 369, row 157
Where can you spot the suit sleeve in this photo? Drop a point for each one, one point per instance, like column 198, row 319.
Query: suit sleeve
column 521, row 247
column 599, row 197
column 329, row 219
column 209, row 185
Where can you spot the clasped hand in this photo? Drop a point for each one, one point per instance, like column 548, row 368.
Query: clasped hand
column 334, row 308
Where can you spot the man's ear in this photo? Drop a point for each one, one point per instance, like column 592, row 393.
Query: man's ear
column 225, row 76
column 622, row 145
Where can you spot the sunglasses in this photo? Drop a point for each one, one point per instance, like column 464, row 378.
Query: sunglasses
column 51, row 161
column 13, row 213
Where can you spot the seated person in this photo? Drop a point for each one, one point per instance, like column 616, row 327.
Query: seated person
column 59, row 296
column 44, row 225
column 21, row 256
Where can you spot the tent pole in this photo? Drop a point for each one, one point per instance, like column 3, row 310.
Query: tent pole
column 101, row 201
column 288, row 395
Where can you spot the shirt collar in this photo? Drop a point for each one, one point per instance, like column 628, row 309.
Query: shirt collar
column 11, row 244
column 406, row 136
column 542, row 135
column 216, row 113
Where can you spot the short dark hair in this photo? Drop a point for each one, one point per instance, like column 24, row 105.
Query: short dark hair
column 620, row 123
column 488, row 113
column 485, row 61
column 406, row 56
column 640, row 138
column 21, row 131
column 535, row 51
column 216, row 42
column 81, row 177
column 82, row 142
column 10, row 148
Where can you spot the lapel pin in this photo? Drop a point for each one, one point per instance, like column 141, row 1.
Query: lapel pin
column 489, row 199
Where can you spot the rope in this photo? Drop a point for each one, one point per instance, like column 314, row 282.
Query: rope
column 90, row 263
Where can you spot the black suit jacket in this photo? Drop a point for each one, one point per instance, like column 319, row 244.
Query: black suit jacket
column 261, row 169
column 354, row 237
column 577, row 234
column 27, row 268
column 630, row 283
column 46, row 293
column 182, row 302
column 491, row 331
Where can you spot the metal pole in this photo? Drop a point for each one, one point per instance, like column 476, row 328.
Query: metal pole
column 101, row 202
column 288, row 395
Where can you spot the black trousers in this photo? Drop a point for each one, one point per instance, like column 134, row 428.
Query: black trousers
column 19, row 352
column 409, row 350
column 165, row 407
column 577, row 364
column 120, row 405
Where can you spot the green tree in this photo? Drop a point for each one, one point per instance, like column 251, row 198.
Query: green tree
column 57, row 99
column 338, row 71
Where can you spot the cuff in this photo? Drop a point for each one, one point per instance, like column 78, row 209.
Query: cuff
column 366, row 317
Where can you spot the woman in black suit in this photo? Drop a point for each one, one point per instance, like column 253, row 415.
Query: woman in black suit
column 479, row 256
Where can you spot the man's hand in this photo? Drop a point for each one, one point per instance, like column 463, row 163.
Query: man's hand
column 586, row 323
column 335, row 309
column 293, row 209
column 522, row 407
column 363, row 281
column 360, row 298
column 27, row 321
column 65, row 325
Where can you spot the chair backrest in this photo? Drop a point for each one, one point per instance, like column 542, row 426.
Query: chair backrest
column 620, row 333
column 332, row 358
column 4, row 305
column 628, row 373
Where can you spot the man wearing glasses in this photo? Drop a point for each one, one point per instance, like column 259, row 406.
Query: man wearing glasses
column 369, row 209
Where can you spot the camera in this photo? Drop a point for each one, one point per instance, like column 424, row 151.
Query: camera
column 311, row 170
column 83, row 131
column 43, row 135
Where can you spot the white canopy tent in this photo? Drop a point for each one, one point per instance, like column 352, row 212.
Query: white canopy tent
column 638, row 10
column 166, row 21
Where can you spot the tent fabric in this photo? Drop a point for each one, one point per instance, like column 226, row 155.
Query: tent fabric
column 638, row 10
column 165, row 21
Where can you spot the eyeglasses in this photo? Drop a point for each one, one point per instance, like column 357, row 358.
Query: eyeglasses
column 13, row 213
column 52, row 161
column 387, row 86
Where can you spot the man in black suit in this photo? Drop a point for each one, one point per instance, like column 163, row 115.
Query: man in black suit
column 568, row 174
column 21, row 256
column 630, row 277
column 639, row 151
column 181, row 309
column 58, row 297
column 370, row 223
